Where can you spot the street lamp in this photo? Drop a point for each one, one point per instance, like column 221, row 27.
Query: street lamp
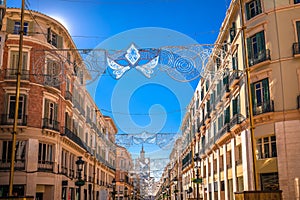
column 125, row 192
column 114, row 188
column 198, row 180
column 79, row 182
column 175, row 180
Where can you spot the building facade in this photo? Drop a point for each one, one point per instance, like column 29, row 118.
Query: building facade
column 124, row 180
column 58, row 120
column 217, row 125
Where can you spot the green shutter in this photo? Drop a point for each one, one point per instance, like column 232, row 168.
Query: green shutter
column 298, row 30
column 265, row 84
column 247, row 11
column 253, row 97
column 259, row 6
column 249, row 48
column 234, row 106
column 227, row 115
column 238, row 104
column 10, row 26
column 261, row 41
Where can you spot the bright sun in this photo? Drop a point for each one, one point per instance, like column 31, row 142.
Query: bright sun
column 62, row 21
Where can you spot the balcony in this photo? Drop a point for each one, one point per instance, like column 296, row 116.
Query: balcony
column 225, row 129
column 45, row 166
column 237, row 119
column 296, row 48
column 74, row 138
column 259, row 57
column 8, row 119
column 68, row 96
column 19, row 164
column 50, row 124
column 264, row 107
column 234, row 78
column 11, row 74
column 51, row 81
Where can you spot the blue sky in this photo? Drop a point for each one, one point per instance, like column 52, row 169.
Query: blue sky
column 135, row 102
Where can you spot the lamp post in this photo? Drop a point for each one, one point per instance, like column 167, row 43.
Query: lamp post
column 79, row 182
column 198, row 180
column 125, row 193
column 114, row 188
column 175, row 190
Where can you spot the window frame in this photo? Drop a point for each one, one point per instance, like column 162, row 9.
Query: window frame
column 45, row 153
column 262, row 144
column 255, row 6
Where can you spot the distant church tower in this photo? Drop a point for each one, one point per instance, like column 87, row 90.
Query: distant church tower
column 143, row 169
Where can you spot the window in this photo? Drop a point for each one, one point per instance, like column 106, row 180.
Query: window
column 253, row 8
column 52, row 73
column 45, row 153
column 14, row 27
column 17, row 28
column 50, row 115
column 270, row 181
column 298, row 29
column 19, row 154
column 54, row 38
column 12, row 106
column 256, row 49
column 266, row 147
column 261, row 97
column 236, row 106
column 232, row 31
column 235, row 61
column 296, row 1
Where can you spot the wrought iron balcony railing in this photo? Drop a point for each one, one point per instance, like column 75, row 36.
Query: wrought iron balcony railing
column 50, row 124
column 8, row 119
column 19, row 164
column 11, row 74
column 259, row 57
column 265, row 107
column 74, row 138
column 296, row 48
column 68, row 96
column 45, row 166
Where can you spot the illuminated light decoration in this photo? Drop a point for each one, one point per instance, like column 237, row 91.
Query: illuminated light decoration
column 181, row 63
column 144, row 60
column 132, row 54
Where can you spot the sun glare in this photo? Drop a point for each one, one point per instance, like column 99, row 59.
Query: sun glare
column 62, row 21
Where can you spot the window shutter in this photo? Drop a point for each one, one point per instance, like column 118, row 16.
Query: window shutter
column 59, row 42
column 46, row 109
column 10, row 26
column 249, row 48
column 260, row 41
column 298, row 30
column 227, row 115
column 238, row 105
column 24, row 61
column 234, row 107
column 30, row 28
column 265, row 84
column 259, row 10
column 55, row 111
column 247, row 11
column 253, row 96
column 49, row 35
